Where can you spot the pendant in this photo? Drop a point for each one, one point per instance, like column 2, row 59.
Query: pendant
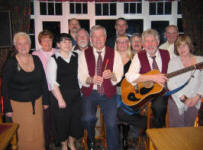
column 18, row 67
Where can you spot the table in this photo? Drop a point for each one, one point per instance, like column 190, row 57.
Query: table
column 8, row 135
column 184, row 138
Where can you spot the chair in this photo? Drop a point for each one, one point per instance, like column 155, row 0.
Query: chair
column 1, row 117
column 148, row 112
column 100, row 135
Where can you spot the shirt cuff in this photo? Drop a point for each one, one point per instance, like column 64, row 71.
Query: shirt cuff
column 132, row 78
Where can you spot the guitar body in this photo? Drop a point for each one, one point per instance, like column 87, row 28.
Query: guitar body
column 136, row 96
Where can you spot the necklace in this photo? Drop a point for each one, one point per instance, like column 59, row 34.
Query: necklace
column 25, row 63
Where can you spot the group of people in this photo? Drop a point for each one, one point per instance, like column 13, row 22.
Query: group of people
column 86, row 70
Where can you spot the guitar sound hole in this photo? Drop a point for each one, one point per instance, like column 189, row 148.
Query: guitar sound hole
column 145, row 90
column 131, row 97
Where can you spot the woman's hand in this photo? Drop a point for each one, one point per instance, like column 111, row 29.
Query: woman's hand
column 9, row 114
column 62, row 104
column 191, row 102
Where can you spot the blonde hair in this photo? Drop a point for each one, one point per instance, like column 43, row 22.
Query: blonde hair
column 129, row 53
column 21, row 34
column 183, row 39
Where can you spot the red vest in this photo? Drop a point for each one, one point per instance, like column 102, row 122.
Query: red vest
column 109, row 89
column 145, row 66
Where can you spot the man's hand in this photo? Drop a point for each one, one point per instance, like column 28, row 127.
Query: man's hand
column 107, row 74
column 159, row 78
column 98, row 80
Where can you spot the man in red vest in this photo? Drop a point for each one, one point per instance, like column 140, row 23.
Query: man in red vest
column 100, row 69
column 151, row 58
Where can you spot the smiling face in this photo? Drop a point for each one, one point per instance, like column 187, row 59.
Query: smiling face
column 65, row 45
column 122, row 44
column 74, row 25
column 183, row 49
column 136, row 43
column 46, row 43
column 150, row 44
column 82, row 39
column 98, row 39
column 171, row 34
column 22, row 45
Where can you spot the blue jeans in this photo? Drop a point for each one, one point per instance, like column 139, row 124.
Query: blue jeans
column 109, row 110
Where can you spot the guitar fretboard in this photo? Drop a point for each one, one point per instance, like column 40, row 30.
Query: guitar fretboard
column 196, row 66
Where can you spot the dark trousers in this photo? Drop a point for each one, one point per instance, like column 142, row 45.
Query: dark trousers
column 159, row 108
column 136, row 120
column 109, row 110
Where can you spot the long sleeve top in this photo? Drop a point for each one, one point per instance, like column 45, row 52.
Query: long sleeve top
column 169, row 47
column 194, row 87
column 83, row 73
column 134, row 70
column 23, row 86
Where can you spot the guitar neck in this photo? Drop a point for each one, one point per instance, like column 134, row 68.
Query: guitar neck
column 169, row 75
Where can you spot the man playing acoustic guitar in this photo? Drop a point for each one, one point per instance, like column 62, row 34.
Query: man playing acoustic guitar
column 151, row 58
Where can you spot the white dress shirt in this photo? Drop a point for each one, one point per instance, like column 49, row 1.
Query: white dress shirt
column 134, row 70
column 169, row 47
column 52, row 68
column 83, row 73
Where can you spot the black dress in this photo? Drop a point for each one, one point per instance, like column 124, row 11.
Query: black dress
column 68, row 120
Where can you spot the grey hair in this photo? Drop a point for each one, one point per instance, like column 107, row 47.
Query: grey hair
column 150, row 32
column 172, row 26
column 97, row 27
column 82, row 29
column 21, row 34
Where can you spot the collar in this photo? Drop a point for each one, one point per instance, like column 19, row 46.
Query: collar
column 156, row 54
column 58, row 54
column 102, row 51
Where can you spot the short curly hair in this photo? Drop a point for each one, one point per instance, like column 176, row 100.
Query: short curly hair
column 45, row 33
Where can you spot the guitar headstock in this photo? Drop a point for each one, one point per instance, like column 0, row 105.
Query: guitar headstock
column 199, row 65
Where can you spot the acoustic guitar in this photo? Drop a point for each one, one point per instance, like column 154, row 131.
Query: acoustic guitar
column 137, row 96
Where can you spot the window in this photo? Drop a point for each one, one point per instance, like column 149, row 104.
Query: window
column 54, row 27
column 105, row 9
column 133, row 8
column 160, row 8
column 32, row 33
column 31, row 7
column 179, row 8
column 78, row 8
column 180, row 25
column 160, row 27
column 50, row 8
column 134, row 26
